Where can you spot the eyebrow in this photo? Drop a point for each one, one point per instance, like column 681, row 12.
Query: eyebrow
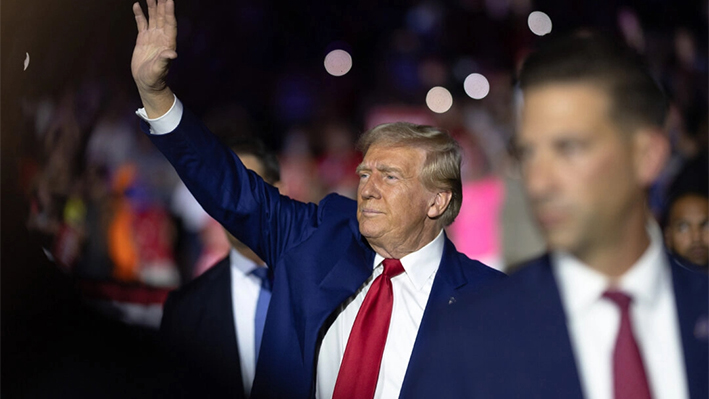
column 383, row 168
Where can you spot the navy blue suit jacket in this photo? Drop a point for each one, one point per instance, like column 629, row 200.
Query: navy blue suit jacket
column 513, row 342
column 318, row 257
column 198, row 328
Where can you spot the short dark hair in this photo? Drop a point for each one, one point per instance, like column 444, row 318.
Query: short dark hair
column 441, row 169
column 691, row 180
column 603, row 60
column 257, row 148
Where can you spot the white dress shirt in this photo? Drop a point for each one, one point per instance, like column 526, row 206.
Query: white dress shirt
column 411, row 290
column 245, row 289
column 593, row 321
column 164, row 123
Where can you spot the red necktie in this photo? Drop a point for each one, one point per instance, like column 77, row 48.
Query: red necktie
column 629, row 379
column 359, row 370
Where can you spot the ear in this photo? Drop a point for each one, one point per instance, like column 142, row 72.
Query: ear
column 439, row 204
column 651, row 151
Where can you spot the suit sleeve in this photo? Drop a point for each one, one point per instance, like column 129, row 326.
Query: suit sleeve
column 249, row 208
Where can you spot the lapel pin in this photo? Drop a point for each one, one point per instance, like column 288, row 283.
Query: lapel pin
column 451, row 300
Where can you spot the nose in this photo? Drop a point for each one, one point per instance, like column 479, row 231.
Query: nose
column 539, row 177
column 368, row 188
column 698, row 233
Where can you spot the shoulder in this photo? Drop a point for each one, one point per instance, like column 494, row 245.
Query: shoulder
column 337, row 205
column 687, row 268
column 480, row 269
column 336, row 213
column 530, row 277
column 517, row 291
column 471, row 267
column 204, row 284
column 688, row 277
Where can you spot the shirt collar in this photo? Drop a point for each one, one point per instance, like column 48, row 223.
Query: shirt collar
column 241, row 264
column 581, row 286
column 644, row 279
column 422, row 264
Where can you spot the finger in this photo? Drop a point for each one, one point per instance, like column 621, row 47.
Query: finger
column 170, row 19
column 152, row 10
column 139, row 17
column 160, row 19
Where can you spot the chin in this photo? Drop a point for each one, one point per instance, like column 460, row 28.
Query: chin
column 366, row 230
column 559, row 241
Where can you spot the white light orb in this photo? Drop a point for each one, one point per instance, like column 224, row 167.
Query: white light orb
column 439, row 99
column 338, row 62
column 539, row 23
column 476, row 86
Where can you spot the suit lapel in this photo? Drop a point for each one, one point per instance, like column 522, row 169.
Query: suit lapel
column 449, row 278
column 556, row 360
column 345, row 277
column 348, row 273
column 691, row 298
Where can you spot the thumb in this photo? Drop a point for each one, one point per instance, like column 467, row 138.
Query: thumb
column 168, row 54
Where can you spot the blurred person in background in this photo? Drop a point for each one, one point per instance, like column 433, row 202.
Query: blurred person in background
column 683, row 213
column 606, row 313
column 687, row 227
column 354, row 282
column 213, row 325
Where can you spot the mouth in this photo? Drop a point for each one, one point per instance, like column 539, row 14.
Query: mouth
column 698, row 252
column 549, row 219
column 369, row 212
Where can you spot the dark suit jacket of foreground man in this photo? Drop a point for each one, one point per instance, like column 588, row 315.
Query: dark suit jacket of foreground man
column 514, row 343
column 198, row 329
column 317, row 254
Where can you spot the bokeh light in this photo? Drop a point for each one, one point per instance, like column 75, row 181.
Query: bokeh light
column 439, row 99
column 338, row 62
column 476, row 86
column 539, row 23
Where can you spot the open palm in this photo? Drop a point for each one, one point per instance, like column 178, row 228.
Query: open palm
column 155, row 45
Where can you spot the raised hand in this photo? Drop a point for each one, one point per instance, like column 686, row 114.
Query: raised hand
column 154, row 49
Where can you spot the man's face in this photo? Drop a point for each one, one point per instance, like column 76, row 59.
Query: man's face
column 577, row 167
column 392, row 203
column 687, row 231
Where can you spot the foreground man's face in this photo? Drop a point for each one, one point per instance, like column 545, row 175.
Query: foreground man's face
column 577, row 166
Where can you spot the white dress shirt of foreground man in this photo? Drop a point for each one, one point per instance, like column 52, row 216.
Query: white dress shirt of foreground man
column 355, row 283
column 607, row 313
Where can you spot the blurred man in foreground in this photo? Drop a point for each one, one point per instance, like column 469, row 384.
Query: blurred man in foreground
column 606, row 313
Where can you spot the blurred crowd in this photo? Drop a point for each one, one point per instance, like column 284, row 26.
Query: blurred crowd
column 108, row 209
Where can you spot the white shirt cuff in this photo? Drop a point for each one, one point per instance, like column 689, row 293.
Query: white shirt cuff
column 165, row 123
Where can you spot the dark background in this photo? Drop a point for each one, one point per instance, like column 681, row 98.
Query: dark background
column 265, row 57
